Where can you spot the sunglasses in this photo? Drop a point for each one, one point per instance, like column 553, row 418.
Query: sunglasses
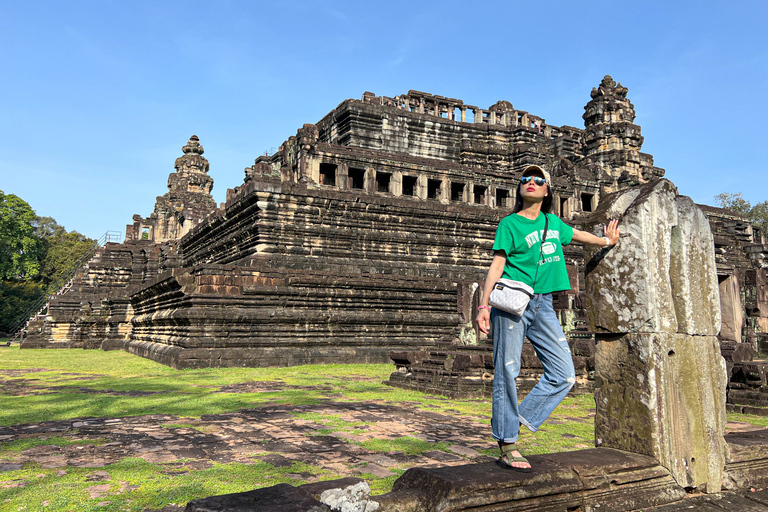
column 536, row 179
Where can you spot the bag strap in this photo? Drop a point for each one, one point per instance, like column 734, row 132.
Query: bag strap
column 541, row 250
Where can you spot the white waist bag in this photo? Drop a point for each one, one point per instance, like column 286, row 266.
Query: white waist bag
column 511, row 296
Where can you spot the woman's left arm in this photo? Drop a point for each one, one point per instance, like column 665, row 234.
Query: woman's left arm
column 611, row 236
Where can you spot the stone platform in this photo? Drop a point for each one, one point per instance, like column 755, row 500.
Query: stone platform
column 285, row 498
column 467, row 371
column 221, row 315
column 595, row 479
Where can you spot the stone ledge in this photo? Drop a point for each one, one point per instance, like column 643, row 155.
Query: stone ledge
column 182, row 358
column 611, row 479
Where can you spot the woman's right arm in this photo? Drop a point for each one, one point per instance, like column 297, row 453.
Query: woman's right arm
column 494, row 274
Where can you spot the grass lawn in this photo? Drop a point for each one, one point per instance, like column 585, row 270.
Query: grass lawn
column 56, row 392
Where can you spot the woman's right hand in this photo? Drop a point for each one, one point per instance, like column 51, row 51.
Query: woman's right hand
column 484, row 320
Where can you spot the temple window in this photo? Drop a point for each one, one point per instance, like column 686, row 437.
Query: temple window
column 479, row 194
column 433, row 189
column 145, row 233
column 382, row 181
column 328, row 174
column 457, row 191
column 757, row 235
column 409, row 185
column 356, row 178
column 502, row 198
column 586, row 202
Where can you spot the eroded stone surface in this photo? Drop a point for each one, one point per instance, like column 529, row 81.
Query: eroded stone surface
column 663, row 395
column 278, row 498
column 628, row 286
column 608, row 479
column 693, row 271
column 660, row 378
column 662, row 276
column 354, row 498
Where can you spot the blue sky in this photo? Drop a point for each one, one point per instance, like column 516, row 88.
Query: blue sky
column 97, row 98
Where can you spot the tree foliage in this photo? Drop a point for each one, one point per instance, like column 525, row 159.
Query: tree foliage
column 19, row 247
column 36, row 254
column 16, row 298
column 61, row 252
column 758, row 214
column 47, row 228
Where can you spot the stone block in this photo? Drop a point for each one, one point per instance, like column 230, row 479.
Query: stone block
column 583, row 347
column 661, row 277
column 628, row 286
column 737, row 352
column 663, row 395
column 278, row 498
column 583, row 480
column 693, row 271
column 731, row 314
column 747, row 460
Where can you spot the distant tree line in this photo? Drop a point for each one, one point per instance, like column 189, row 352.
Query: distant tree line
column 35, row 254
column 758, row 214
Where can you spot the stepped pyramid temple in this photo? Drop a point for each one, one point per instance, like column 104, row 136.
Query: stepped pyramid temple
column 366, row 238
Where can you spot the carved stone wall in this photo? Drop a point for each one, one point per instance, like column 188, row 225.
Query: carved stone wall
column 216, row 315
column 96, row 309
column 294, row 226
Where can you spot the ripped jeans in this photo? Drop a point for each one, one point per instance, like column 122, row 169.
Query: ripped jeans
column 540, row 324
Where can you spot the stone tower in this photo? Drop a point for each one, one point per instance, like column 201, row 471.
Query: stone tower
column 612, row 141
column 186, row 203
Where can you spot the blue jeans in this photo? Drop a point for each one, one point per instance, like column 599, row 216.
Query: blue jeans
column 540, row 324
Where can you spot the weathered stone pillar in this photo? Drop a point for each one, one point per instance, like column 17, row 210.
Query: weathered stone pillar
column 653, row 300
column 731, row 309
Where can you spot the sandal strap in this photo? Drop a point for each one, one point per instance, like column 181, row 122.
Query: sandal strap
column 507, row 448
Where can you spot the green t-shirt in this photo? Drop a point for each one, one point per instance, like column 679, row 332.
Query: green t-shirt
column 520, row 239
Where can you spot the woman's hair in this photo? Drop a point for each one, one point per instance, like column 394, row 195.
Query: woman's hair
column 546, row 203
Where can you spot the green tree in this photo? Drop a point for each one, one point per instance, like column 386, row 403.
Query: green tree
column 19, row 247
column 47, row 228
column 62, row 252
column 758, row 214
column 16, row 298
column 36, row 253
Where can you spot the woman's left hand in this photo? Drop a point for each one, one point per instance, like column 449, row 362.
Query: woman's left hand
column 612, row 231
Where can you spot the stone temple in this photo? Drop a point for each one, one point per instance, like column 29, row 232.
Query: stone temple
column 366, row 238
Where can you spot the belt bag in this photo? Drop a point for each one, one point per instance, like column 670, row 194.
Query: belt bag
column 511, row 296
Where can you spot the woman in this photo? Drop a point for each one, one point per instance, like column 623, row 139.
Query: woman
column 521, row 255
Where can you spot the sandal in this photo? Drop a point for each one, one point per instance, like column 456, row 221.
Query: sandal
column 506, row 450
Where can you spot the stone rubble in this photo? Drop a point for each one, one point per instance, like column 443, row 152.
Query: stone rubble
column 355, row 498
